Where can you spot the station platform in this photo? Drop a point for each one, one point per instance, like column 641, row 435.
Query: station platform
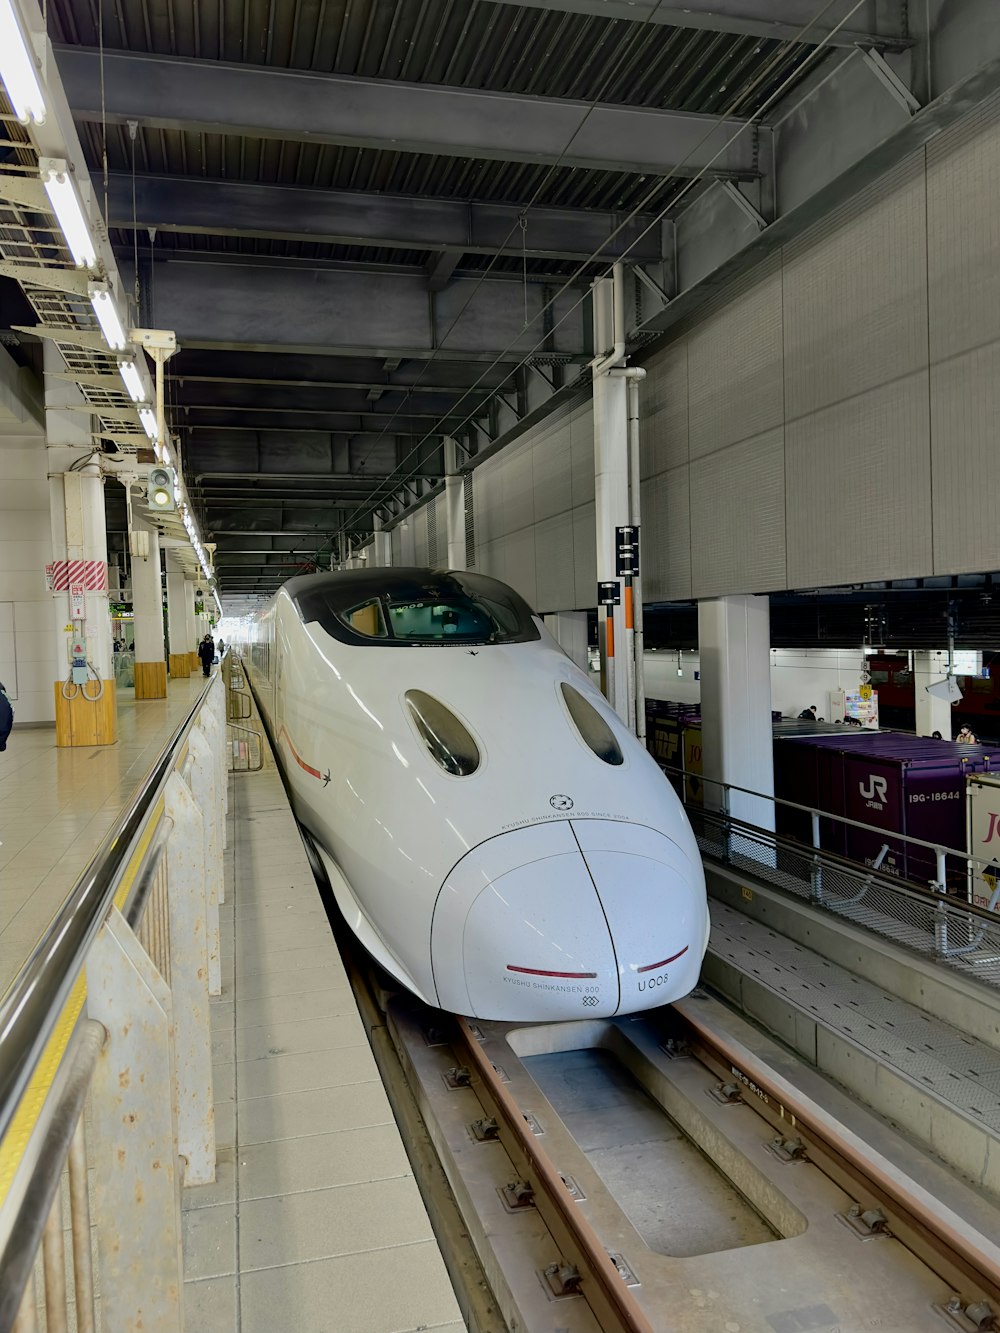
column 314, row 1222
column 56, row 805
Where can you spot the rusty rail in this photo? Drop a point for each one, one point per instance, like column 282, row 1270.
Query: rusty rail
column 600, row 1283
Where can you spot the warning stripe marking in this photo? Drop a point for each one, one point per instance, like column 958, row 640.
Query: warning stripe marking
column 314, row 772
column 92, row 574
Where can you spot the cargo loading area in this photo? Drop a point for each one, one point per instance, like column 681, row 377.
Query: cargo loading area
column 499, row 666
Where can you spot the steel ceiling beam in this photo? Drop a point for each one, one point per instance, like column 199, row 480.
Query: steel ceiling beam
column 345, row 217
column 315, row 389
column 782, row 20
column 343, row 313
column 264, row 102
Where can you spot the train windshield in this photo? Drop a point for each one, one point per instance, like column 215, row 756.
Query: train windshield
column 418, row 607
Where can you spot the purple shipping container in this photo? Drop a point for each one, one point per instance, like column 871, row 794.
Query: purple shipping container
column 897, row 784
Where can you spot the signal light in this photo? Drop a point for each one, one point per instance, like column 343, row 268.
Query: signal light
column 160, row 490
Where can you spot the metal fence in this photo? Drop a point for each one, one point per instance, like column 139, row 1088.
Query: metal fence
column 927, row 920
column 111, row 1015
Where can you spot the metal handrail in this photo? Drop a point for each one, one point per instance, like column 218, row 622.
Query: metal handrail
column 824, row 814
column 904, row 887
column 30, row 1008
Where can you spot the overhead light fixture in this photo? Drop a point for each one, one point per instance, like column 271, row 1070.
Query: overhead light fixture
column 148, row 418
column 17, row 69
column 132, row 380
column 107, row 315
column 67, row 207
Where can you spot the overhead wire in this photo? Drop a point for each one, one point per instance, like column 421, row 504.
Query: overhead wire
column 395, row 479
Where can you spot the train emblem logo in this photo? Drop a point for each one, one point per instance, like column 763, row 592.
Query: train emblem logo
column 875, row 792
column 560, row 802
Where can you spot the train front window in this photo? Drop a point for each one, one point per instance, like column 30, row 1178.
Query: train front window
column 367, row 619
column 397, row 608
column 435, row 621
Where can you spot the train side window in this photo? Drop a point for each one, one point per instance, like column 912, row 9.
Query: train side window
column 591, row 726
column 367, row 619
column 450, row 744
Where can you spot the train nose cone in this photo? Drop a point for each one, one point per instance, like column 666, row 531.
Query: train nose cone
column 519, row 932
column 580, row 919
column 653, row 899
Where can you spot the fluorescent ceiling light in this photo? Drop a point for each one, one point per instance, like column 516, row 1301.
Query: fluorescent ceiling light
column 110, row 321
column 17, row 69
column 129, row 372
column 148, row 418
column 68, row 209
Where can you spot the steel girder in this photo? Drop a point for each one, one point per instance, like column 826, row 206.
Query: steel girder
column 261, row 102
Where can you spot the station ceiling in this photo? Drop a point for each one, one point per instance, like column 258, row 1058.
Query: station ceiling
column 347, row 209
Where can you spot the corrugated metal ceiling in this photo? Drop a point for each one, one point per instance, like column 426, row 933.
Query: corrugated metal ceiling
column 465, row 43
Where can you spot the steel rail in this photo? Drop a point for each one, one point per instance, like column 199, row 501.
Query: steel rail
column 602, row 1286
column 31, row 1006
column 965, row 1250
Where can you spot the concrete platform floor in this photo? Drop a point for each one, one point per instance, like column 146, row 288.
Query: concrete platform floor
column 56, row 805
column 315, row 1222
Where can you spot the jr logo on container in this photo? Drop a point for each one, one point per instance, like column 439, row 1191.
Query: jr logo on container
column 874, row 792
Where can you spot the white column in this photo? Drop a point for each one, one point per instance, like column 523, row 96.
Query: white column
column 407, row 542
column 454, row 499
column 180, row 663
column 190, row 621
column 147, row 607
column 28, row 664
column 734, row 645
column 569, row 629
column 611, row 473
column 931, row 714
column 381, row 546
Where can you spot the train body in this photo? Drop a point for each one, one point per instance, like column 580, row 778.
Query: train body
column 494, row 836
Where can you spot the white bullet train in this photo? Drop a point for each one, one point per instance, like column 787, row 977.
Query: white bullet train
column 493, row 834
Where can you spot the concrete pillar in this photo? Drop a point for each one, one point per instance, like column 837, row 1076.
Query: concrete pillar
column 407, row 542
column 86, row 710
column 180, row 660
column 569, row 629
column 734, row 645
column 931, row 714
column 454, row 499
column 28, row 664
column 190, row 624
column 610, row 484
column 381, row 545
column 147, row 607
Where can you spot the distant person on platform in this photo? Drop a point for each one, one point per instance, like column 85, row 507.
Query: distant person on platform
column 206, row 651
column 936, row 736
column 221, row 646
column 966, row 737
column 6, row 717
column 809, row 713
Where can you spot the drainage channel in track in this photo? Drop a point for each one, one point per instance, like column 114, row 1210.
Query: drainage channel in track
column 692, row 1166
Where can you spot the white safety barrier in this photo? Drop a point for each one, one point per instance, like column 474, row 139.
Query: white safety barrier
column 112, row 1011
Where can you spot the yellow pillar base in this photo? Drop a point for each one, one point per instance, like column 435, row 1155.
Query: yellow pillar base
column 150, row 680
column 82, row 720
column 180, row 665
column 195, row 662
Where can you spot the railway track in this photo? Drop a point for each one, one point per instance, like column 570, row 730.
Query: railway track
column 850, row 1227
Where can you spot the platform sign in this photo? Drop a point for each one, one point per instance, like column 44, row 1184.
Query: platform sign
column 626, row 551
column 865, row 692
column 609, row 593
column 77, row 601
column 50, row 575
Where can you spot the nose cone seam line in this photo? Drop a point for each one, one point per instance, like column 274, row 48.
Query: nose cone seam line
column 607, row 923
